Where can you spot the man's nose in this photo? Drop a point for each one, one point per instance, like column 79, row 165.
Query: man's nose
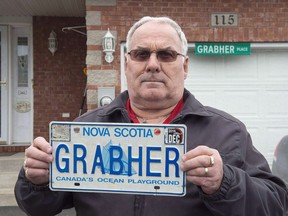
column 153, row 65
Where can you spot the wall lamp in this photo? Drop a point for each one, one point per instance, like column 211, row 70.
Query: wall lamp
column 108, row 43
column 52, row 42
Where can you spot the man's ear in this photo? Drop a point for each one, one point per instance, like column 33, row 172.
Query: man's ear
column 185, row 67
column 125, row 62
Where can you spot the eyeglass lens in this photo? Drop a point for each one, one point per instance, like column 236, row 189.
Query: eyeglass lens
column 142, row 55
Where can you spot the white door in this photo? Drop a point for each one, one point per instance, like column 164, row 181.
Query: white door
column 21, row 132
column 253, row 88
column 3, row 85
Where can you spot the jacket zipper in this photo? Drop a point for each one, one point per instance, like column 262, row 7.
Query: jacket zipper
column 138, row 205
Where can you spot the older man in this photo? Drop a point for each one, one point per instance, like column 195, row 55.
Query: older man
column 226, row 175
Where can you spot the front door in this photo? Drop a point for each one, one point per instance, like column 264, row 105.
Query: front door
column 21, row 132
column 3, row 85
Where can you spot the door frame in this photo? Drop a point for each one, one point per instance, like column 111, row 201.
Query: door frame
column 4, row 137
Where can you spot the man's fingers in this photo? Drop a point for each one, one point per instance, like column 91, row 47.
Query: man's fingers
column 41, row 144
column 199, row 161
column 37, row 176
column 36, row 154
column 35, row 173
column 37, row 158
column 39, row 150
column 199, row 150
column 32, row 163
column 204, row 167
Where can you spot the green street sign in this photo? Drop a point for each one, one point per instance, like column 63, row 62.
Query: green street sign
column 222, row 48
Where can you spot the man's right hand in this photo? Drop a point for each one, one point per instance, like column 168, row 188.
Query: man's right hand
column 37, row 158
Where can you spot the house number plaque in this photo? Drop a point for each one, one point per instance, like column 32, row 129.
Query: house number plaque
column 224, row 19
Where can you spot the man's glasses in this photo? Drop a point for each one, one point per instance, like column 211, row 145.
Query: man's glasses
column 142, row 55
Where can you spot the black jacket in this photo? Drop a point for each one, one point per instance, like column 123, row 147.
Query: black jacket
column 248, row 187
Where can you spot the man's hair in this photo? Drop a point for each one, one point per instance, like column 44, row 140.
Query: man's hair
column 166, row 20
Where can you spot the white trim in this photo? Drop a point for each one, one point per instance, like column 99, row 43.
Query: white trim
column 16, row 21
column 32, row 82
column 122, row 66
column 4, row 90
column 269, row 45
column 10, row 85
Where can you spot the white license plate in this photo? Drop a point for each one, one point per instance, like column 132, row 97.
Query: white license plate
column 118, row 158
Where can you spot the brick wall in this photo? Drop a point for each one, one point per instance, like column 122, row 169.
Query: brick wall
column 259, row 21
column 59, row 81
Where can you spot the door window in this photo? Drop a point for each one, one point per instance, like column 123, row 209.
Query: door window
column 22, row 51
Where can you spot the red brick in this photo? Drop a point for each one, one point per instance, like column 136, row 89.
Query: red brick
column 59, row 80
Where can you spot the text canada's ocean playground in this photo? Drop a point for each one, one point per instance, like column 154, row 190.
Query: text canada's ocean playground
column 118, row 180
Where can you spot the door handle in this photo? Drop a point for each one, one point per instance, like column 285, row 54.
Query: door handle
column 4, row 82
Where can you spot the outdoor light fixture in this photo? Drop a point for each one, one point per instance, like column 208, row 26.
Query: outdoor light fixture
column 52, row 42
column 108, row 44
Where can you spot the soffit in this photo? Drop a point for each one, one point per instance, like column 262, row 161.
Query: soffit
column 26, row 8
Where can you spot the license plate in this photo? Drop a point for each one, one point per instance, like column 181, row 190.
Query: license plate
column 118, row 158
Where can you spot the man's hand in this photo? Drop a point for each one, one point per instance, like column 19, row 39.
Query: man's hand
column 37, row 159
column 204, row 167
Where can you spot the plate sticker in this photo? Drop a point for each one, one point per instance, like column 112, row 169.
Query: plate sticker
column 118, row 158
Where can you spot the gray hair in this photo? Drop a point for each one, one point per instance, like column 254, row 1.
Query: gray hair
column 159, row 20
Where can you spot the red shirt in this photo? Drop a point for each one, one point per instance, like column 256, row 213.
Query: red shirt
column 173, row 114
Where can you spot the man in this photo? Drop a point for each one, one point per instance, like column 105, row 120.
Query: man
column 226, row 175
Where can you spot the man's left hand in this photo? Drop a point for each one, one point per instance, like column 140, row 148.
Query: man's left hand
column 204, row 167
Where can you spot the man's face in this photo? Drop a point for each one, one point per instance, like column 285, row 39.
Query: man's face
column 154, row 80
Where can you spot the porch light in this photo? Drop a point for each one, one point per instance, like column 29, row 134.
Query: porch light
column 108, row 44
column 52, row 42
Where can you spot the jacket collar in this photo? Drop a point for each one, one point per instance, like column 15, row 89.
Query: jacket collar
column 191, row 105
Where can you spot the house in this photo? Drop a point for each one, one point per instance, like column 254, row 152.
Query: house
column 237, row 49
column 37, row 85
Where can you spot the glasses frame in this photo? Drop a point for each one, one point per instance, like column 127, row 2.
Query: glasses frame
column 175, row 53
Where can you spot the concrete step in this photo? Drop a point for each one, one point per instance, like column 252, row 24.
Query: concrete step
column 10, row 164
column 11, row 211
column 16, row 211
column 8, row 179
column 7, row 182
column 7, row 199
column 9, row 169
